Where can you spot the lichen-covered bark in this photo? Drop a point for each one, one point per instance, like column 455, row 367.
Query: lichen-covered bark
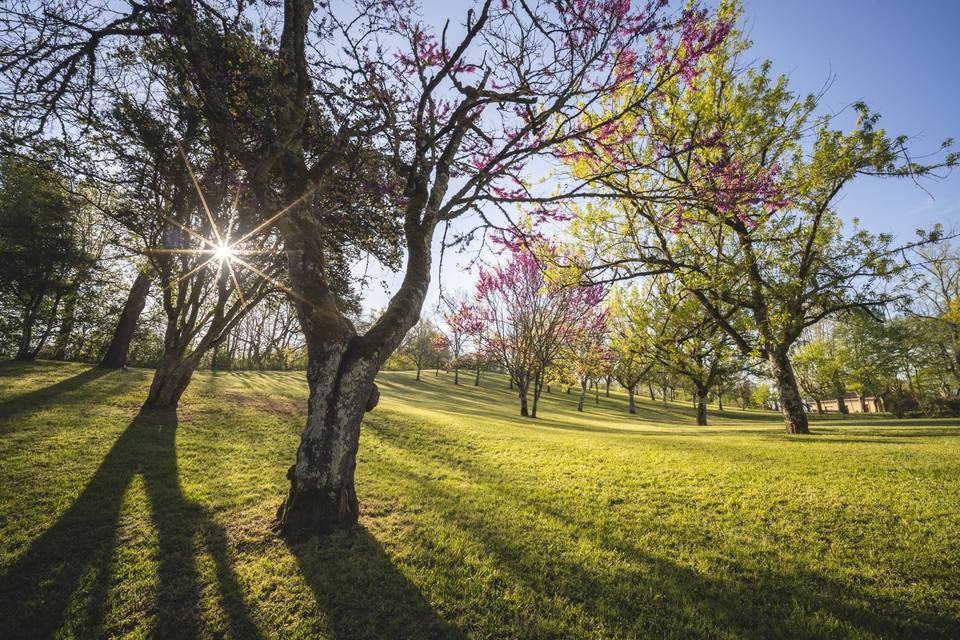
column 341, row 369
column 322, row 495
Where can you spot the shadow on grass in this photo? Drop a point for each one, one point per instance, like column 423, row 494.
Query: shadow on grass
column 37, row 398
column 363, row 594
column 641, row 591
column 64, row 577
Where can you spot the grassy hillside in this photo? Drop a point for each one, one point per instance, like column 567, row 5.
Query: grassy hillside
column 476, row 523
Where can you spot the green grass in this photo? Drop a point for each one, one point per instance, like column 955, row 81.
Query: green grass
column 475, row 523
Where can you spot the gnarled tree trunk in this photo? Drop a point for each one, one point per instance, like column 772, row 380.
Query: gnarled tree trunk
column 341, row 369
column 322, row 494
column 171, row 379
column 116, row 355
column 791, row 404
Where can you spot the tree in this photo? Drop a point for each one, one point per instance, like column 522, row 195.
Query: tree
column 531, row 319
column 816, row 368
column 42, row 252
column 629, row 341
column 686, row 340
column 933, row 282
column 310, row 107
column 464, row 323
column 733, row 191
column 421, row 344
column 585, row 351
column 441, row 348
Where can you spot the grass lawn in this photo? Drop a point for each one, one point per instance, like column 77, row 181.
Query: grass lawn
column 475, row 523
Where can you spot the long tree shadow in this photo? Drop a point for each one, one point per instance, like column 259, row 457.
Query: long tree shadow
column 71, row 562
column 363, row 594
column 661, row 597
column 37, row 398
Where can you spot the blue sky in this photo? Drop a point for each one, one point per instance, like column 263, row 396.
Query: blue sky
column 902, row 58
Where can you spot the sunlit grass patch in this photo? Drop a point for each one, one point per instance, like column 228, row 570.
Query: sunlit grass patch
column 475, row 522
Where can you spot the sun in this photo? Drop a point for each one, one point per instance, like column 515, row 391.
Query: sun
column 223, row 252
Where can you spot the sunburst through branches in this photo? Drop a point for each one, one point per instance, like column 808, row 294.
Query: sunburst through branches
column 223, row 252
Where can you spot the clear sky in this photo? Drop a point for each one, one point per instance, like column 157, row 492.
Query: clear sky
column 901, row 57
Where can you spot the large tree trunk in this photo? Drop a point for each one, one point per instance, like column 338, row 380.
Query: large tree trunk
column 631, row 400
column 791, row 404
column 341, row 367
column 171, row 379
column 322, row 494
column 116, row 355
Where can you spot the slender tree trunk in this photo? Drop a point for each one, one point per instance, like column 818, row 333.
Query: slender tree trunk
column 537, row 388
column 522, row 394
column 794, row 415
column 653, row 397
column 701, row 406
column 66, row 327
column 456, row 374
column 476, row 381
column 418, row 371
column 24, row 352
column 116, row 355
column 841, row 403
column 863, row 403
column 631, row 400
column 607, row 391
column 819, row 406
column 583, row 395
column 719, row 398
column 596, row 393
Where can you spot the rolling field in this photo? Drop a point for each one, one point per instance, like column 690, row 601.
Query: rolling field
column 475, row 523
